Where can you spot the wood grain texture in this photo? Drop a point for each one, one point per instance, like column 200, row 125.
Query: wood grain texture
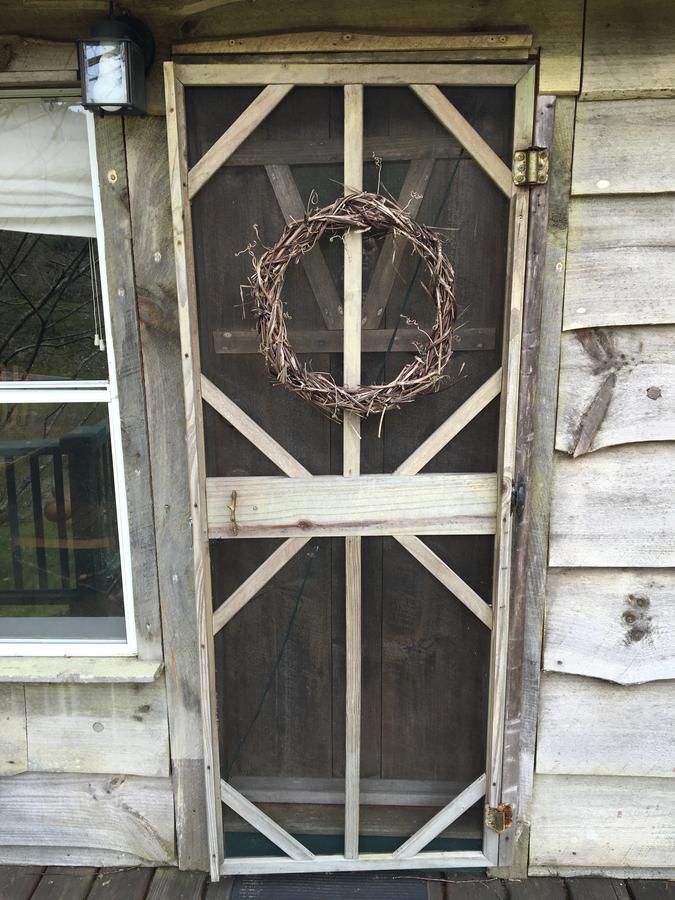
column 621, row 248
column 620, row 822
column 614, row 508
column 618, row 625
column 557, row 30
column 452, row 425
column 449, row 578
column 251, row 430
column 155, row 272
column 616, row 387
column 352, row 41
column 351, row 454
column 588, row 727
column 19, row 882
column 171, row 884
column 130, row 884
column 107, row 820
column 402, row 340
column 97, row 728
column 524, row 560
column 313, row 262
column 444, row 817
column 263, row 823
column 13, row 747
column 59, row 883
column 628, row 52
column 437, row 103
column 597, row 889
column 286, row 74
column 330, row 505
column 637, row 131
column 79, row 669
column 235, row 135
column 391, row 263
column 256, row 581
column 371, row 862
column 523, row 134
column 195, row 468
column 118, row 254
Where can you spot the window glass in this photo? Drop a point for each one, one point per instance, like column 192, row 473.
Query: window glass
column 50, row 308
column 60, row 570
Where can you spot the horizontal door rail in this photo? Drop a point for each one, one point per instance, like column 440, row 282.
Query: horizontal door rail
column 333, row 506
column 334, row 74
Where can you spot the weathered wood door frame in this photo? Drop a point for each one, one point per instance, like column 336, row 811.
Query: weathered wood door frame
column 213, row 499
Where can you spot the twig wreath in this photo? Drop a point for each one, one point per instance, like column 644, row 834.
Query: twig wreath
column 377, row 215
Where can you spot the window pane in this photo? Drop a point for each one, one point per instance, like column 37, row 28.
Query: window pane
column 50, row 308
column 60, row 575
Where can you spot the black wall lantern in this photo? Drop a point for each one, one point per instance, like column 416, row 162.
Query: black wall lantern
column 114, row 60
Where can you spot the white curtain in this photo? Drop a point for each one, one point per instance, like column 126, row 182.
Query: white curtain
column 45, row 175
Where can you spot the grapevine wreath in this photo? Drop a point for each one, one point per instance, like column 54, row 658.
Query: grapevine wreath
column 366, row 212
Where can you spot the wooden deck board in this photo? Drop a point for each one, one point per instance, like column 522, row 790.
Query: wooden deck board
column 537, row 889
column 172, row 884
column 61, row 883
column 596, row 889
column 137, row 883
column 121, row 884
column 18, row 882
column 652, row 890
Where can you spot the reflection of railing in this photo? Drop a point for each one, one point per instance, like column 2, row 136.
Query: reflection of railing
column 58, row 513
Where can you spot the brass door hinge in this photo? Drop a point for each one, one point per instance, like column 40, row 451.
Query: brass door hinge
column 530, row 167
column 499, row 818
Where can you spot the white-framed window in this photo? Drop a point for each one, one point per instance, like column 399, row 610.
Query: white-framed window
column 65, row 570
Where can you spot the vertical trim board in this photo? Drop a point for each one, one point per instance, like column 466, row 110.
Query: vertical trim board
column 158, row 311
column 125, row 337
column 187, row 318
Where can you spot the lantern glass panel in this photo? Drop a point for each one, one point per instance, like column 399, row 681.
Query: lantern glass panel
column 106, row 73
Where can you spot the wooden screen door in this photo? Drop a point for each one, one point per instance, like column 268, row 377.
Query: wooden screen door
column 352, row 579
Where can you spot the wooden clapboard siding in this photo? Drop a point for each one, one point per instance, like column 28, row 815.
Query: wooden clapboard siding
column 97, row 728
column 628, row 50
column 615, row 624
column 617, row 386
column 615, row 508
column 602, row 822
column 588, row 727
column 86, row 820
column 149, row 201
column 13, row 757
column 624, row 147
column 621, row 261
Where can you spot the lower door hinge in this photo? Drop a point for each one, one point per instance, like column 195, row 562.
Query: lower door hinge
column 530, row 167
column 499, row 818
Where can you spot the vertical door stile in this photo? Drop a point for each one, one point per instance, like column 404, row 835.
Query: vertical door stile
column 189, row 338
column 513, row 322
column 353, row 181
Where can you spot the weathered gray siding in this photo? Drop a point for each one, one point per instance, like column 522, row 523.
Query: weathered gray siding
column 605, row 749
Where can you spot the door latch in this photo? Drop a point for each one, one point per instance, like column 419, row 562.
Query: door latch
column 518, row 494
